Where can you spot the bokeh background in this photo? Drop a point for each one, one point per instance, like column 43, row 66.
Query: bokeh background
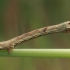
column 21, row 16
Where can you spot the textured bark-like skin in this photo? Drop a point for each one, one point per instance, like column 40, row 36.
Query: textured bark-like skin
column 10, row 44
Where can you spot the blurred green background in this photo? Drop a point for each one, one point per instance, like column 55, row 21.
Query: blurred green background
column 21, row 16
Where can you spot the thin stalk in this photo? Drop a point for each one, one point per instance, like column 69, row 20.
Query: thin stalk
column 49, row 53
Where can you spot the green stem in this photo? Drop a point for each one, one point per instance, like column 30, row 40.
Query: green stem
column 59, row 53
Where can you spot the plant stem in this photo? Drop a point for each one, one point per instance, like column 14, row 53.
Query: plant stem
column 50, row 53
